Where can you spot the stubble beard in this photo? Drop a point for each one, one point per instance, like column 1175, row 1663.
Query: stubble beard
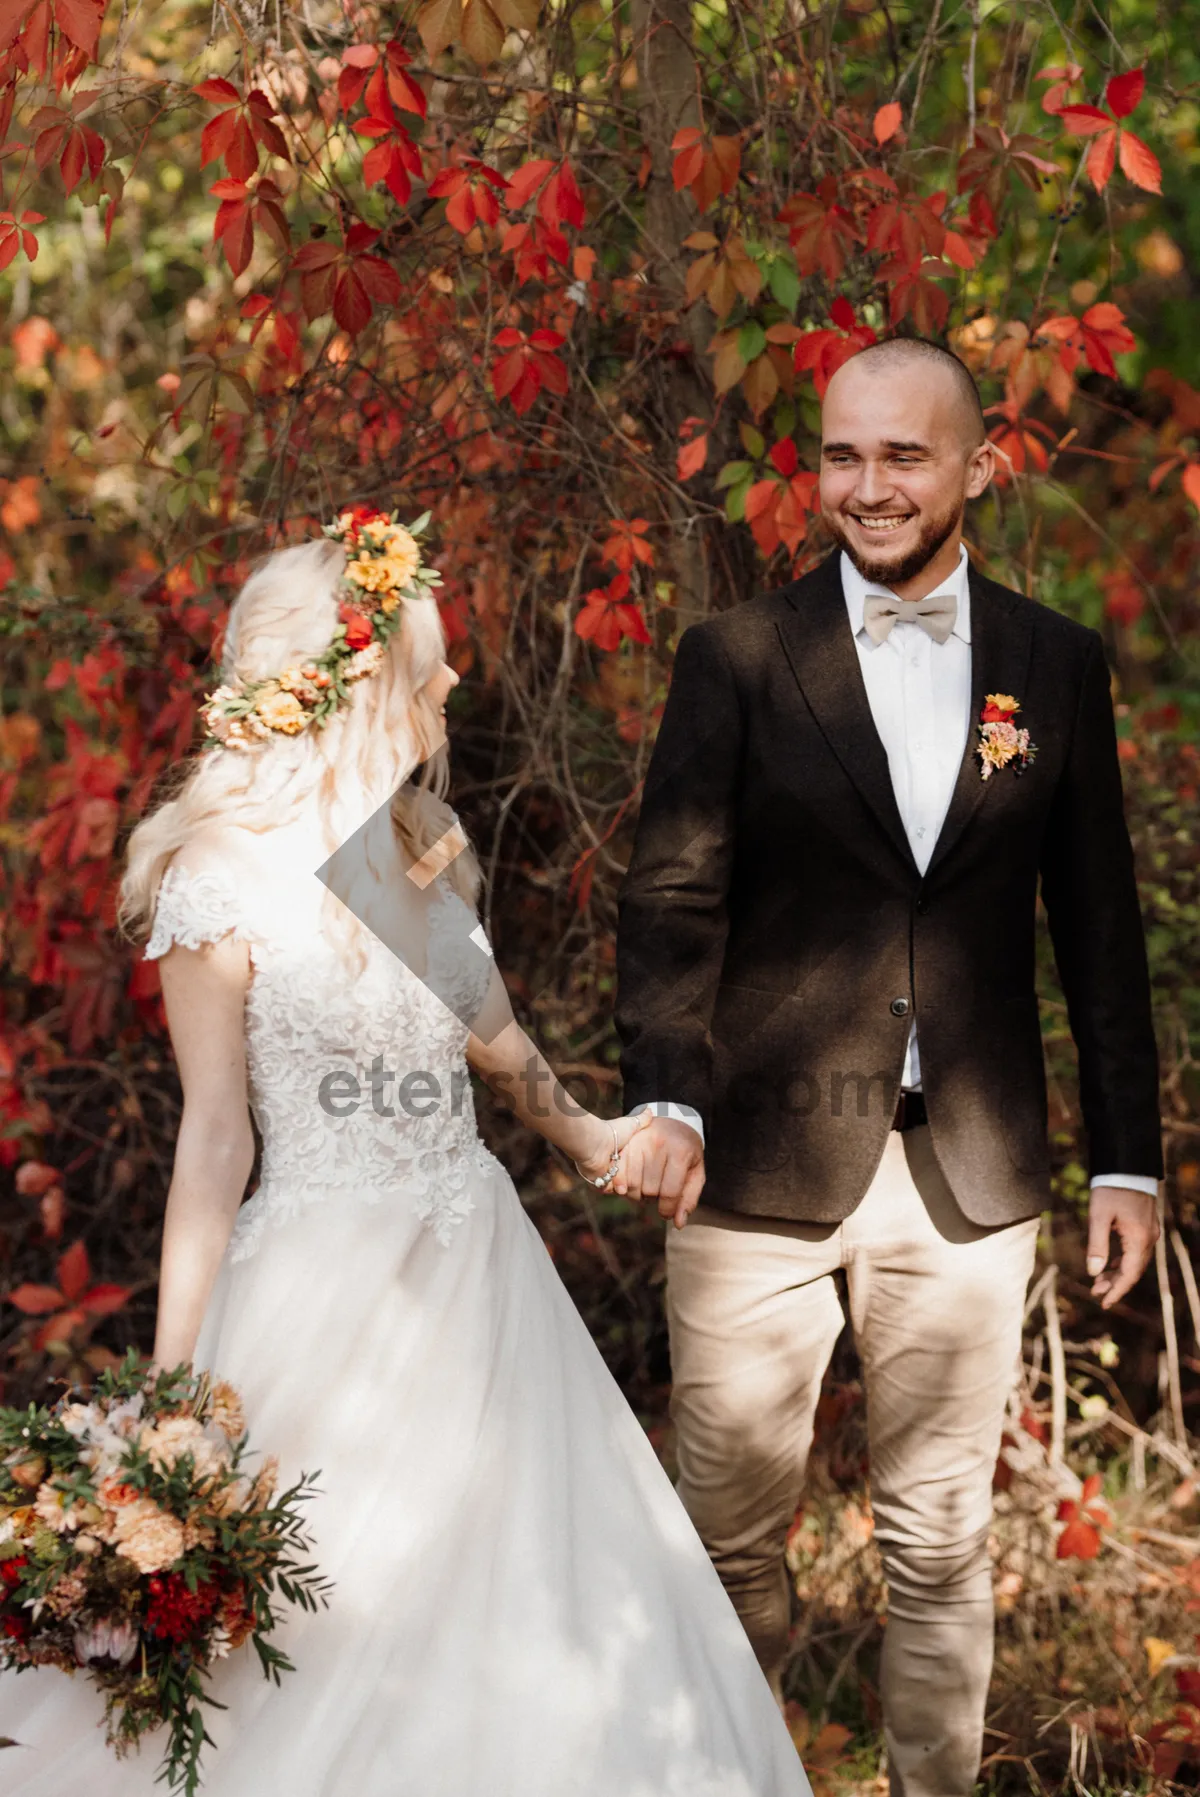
column 895, row 570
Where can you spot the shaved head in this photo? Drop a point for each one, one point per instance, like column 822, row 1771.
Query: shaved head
column 903, row 448
column 922, row 358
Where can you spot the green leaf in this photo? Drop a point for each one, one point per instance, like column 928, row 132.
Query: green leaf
column 735, row 504
column 752, row 441
column 783, row 280
column 731, row 472
column 751, row 340
column 783, row 418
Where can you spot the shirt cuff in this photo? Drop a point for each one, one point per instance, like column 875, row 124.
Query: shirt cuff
column 1132, row 1182
column 674, row 1113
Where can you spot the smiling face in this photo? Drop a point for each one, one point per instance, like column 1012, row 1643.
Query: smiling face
column 900, row 456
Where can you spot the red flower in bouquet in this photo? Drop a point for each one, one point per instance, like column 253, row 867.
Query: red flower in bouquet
column 174, row 1611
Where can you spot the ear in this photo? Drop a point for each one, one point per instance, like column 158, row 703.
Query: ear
column 981, row 466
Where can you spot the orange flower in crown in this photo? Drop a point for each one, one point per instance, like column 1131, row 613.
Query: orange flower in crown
column 383, row 568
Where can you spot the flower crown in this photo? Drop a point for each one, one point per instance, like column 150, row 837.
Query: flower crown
column 383, row 567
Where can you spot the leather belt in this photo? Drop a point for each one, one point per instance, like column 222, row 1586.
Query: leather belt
column 910, row 1111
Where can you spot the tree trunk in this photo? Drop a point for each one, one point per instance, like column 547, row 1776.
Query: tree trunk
column 711, row 566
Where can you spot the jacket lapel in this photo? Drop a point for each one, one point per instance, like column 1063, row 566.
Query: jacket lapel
column 1001, row 638
column 815, row 632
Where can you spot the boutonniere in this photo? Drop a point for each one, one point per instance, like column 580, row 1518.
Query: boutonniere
column 1000, row 741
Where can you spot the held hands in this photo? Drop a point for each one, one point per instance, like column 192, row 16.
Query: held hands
column 664, row 1160
column 658, row 1158
column 1134, row 1216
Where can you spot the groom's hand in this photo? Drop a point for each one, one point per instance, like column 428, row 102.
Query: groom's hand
column 664, row 1161
column 1134, row 1216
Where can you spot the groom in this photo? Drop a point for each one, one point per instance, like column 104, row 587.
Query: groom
column 826, row 986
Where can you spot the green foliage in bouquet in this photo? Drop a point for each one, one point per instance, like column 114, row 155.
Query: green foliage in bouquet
column 136, row 1545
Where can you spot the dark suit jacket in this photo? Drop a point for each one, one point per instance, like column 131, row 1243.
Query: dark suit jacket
column 776, row 938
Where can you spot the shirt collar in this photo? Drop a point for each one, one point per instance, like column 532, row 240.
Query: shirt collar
column 855, row 589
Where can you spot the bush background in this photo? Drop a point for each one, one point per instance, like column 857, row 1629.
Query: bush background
column 175, row 400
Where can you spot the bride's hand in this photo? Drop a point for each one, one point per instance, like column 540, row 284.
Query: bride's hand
column 595, row 1165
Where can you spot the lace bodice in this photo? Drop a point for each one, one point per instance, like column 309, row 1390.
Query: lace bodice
column 358, row 1082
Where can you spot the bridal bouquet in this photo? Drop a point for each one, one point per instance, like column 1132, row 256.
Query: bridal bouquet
column 137, row 1546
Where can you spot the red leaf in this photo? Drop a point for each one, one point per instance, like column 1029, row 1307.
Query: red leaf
column 1187, row 1683
column 956, row 249
column 1101, row 158
column 1124, row 92
column 842, row 313
column 36, row 1300
column 1093, row 1485
column 1084, row 121
column 80, row 20
column 74, row 1271
column 241, row 157
column 216, row 137
column 1078, row 1541
column 1139, row 164
column 460, row 209
column 524, row 184
column 218, row 91
column 234, row 230
column 784, row 456
column 72, row 161
column 103, row 1300
column 887, row 121
column 360, row 237
column 351, row 307
column 632, row 623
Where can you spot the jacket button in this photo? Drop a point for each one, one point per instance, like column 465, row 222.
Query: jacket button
column 922, row 905
column 899, row 1007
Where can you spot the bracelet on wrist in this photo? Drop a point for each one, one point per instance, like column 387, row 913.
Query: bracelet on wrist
column 603, row 1180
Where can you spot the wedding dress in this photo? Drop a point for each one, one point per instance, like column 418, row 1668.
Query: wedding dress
column 521, row 1607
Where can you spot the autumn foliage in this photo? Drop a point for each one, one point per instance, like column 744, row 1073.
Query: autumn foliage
column 575, row 284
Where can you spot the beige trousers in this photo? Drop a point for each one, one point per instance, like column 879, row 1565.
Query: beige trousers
column 936, row 1303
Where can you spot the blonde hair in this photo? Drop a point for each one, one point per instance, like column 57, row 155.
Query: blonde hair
column 367, row 752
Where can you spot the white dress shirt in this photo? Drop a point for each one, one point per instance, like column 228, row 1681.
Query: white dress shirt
column 919, row 692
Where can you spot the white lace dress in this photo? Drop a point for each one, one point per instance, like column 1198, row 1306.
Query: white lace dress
column 521, row 1606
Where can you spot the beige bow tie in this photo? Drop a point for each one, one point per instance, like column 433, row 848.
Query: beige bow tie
column 935, row 614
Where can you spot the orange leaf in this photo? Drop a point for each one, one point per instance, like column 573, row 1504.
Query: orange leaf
column 1140, row 164
column 74, row 1271
column 887, row 121
column 1191, row 483
column 36, row 1300
column 59, row 1327
column 1101, row 158
column 692, row 457
column 1084, row 121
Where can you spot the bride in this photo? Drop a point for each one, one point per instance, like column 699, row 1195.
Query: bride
column 521, row 1607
